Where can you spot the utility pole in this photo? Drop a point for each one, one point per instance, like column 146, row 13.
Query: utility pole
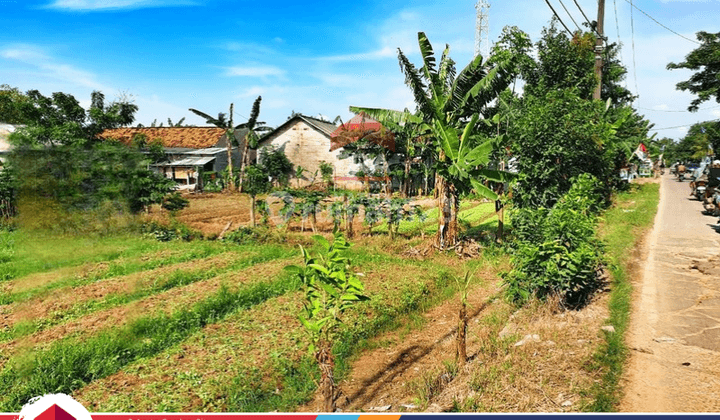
column 599, row 47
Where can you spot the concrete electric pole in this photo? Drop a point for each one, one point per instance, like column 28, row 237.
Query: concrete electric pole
column 599, row 48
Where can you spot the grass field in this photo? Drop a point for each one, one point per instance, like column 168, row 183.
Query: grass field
column 126, row 323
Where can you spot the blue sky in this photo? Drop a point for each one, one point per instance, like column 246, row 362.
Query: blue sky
column 316, row 58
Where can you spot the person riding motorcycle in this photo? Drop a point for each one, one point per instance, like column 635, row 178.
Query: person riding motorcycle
column 681, row 171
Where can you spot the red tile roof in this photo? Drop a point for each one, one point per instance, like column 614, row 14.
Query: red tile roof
column 362, row 126
column 190, row 137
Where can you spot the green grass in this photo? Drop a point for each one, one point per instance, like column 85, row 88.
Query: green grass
column 169, row 281
column 72, row 363
column 132, row 261
column 623, row 227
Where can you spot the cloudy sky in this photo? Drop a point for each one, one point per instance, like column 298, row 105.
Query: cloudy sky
column 316, row 58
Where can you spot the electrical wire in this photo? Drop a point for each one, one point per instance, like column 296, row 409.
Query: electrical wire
column 581, row 11
column 617, row 22
column 672, row 110
column 587, row 20
column 568, row 13
column 617, row 27
column 632, row 28
column 558, row 17
column 655, row 20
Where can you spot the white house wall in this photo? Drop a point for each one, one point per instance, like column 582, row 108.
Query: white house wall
column 305, row 146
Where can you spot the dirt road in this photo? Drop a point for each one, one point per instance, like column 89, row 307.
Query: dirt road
column 674, row 335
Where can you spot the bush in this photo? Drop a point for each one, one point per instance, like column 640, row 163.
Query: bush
column 175, row 202
column 256, row 235
column 175, row 230
column 556, row 252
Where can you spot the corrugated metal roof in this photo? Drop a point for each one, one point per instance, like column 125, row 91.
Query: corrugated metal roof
column 189, row 161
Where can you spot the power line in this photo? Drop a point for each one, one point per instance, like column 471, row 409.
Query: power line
column 667, row 128
column 571, row 18
column 655, row 20
column 558, row 18
column 632, row 28
column 581, row 11
column 617, row 22
column 679, row 126
column 672, row 110
column 587, row 20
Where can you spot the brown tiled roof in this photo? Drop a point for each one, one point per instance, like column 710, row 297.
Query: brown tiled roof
column 191, row 137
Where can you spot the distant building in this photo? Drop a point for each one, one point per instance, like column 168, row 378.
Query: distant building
column 188, row 150
column 307, row 141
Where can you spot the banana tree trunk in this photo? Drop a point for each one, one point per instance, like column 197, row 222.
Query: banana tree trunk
column 243, row 162
column 461, row 336
column 252, row 211
column 448, row 201
column 406, row 180
column 325, row 362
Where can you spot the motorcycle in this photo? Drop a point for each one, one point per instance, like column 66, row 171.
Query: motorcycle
column 700, row 190
column 711, row 201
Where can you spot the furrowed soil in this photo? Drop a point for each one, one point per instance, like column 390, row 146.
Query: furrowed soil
column 534, row 359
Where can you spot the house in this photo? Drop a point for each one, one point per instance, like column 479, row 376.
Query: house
column 188, row 150
column 307, row 141
column 5, row 146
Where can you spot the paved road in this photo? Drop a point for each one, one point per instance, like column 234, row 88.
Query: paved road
column 674, row 334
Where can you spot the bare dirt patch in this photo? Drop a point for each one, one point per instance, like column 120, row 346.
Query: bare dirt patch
column 532, row 360
column 210, row 213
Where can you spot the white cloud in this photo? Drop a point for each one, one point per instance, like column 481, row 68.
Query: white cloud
column 381, row 53
column 252, row 91
column 103, row 5
column 255, row 71
column 49, row 67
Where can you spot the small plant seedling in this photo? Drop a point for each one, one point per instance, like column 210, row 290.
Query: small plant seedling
column 329, row 288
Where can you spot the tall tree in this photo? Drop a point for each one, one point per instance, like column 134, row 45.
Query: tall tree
column 11, row 104
column 705, row 61
column 450, row 104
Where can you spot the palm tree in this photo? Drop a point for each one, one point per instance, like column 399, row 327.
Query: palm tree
column 250, row 137
column 450, row 107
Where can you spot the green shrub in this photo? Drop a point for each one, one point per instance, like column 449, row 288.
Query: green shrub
column 556, row 252
column 174, row 202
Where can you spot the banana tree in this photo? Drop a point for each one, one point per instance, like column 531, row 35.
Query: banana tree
column 253, row 127
column 449, row 107
column 250, row 138
column 222, row 122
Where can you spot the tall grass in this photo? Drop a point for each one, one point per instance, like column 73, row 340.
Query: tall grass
column 623, row 228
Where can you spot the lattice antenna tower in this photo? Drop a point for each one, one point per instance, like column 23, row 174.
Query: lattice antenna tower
column 482, row 28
